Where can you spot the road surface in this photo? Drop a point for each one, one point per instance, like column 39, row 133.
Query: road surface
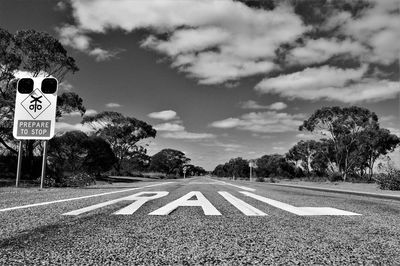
column 196, row 221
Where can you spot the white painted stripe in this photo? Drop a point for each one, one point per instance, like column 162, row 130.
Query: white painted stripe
column 241, row 205
column 78, row 198
column 139, row 201
column 302, row 211
column 201, row 201
column 241, row 187
column 326, row 211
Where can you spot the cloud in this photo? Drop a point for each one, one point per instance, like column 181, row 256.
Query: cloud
column 320, row 50
column 254, row 105
column 175, row 129
column 187, row 135
column 209, row 40
column 262, row 122
column 90, row 112
column 65, row 86
column 77, row 38
column 377, row 27
column 64, row 127
column 163, row 115
column 113, row 105
column 169, row 127
column 330, row 83
column 102, row 55
column 74, row 37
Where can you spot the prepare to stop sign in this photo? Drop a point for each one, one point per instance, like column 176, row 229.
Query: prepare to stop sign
column 35, row 108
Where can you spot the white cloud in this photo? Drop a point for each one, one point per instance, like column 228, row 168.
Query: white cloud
column 194, row 27
column 187, row 135
column 169, row 127
column 163, row 115
column 102, row 55
column 77, row 38
column 330, row 83
column 263, row 122
column 113, row 105
column 90, row 112
column 74, row 37
column 320, row 50
column 250, row 104
column 175, row 129
column 377, row 27
column 65, row 86
column 64, row 127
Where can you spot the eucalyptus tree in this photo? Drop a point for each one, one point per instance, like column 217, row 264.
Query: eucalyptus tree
column 122, row 133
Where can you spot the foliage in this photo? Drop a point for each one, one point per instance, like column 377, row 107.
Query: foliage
column 122, row 133
column 236, row 167
column 355, row 139
column 75, row 152
column 389, row 178
column 37, row 53
column 275, row 165
column 77, row 180
column 168, row 161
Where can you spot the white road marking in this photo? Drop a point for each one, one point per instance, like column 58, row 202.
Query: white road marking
column 78, row 198
column 241, row 187
column 139, row 199
column 302, row 211
column 241, row 205
column 201, row 201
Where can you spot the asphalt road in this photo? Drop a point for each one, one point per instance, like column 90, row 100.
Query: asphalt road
column 220, row 224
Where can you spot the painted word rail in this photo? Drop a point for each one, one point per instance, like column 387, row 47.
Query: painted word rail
column 197, row 199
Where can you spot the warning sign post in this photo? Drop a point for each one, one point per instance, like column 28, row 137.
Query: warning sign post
column 35, row 114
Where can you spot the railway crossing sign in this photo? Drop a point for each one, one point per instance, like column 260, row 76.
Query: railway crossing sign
column 35, row 108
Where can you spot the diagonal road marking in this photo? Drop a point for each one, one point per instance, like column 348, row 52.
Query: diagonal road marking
column 242, row 206
column 78, row 198
column 302, row 211
column 241, row 187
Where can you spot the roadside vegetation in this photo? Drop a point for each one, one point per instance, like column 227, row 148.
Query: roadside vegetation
column 345, row 146
column 111, row 148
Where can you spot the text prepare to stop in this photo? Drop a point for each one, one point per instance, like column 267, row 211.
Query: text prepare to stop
column 34, row 128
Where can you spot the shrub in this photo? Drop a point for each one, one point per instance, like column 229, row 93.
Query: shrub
column 259, row 179
column 389, row 178
column 78, row 180
column 335, row 176
column 389, row 181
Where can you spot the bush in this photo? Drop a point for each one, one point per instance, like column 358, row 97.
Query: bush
column 259, row 179
column 389, row 181
column 78, row 180
column 389, row 176
column 334, row 177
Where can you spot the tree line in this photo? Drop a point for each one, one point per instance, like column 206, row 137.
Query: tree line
column 113, row 143
column 347, row 144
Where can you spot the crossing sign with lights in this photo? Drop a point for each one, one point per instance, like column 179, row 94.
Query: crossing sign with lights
column 35, row 108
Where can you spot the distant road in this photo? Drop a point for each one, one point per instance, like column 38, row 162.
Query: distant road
column 196, row 221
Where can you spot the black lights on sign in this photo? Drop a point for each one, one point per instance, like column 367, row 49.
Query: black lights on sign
column 49, row 85
column 25, row 85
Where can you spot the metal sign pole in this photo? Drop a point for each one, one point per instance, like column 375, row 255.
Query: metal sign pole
column 251, row 168
column 19, row 163
column 43, row 163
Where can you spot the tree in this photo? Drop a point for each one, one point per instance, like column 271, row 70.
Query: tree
column 37, row 53
column 122, row 133
column 238, row 167
column 74, row 152
column 274, row 165
column 168, row 161
column 342, row 125
column 372, row 143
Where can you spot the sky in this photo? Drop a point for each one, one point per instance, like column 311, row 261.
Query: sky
column 220, row 79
